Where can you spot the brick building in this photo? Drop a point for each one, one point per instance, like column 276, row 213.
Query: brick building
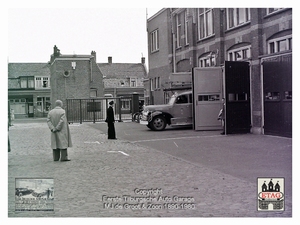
column 75, row 76
column 181, row 39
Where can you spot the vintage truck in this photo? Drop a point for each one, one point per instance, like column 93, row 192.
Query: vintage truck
column 177, row 112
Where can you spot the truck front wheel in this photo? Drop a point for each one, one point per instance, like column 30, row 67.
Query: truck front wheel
column 158, row 123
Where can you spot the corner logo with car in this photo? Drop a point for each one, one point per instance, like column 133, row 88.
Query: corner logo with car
column 270, row 194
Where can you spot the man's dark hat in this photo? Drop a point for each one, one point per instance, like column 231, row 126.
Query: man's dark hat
column 111, row 102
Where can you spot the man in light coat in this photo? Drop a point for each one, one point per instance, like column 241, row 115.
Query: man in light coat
column 60, row 133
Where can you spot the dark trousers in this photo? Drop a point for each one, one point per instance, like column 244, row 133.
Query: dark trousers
column 111, row 130
column 60, row 153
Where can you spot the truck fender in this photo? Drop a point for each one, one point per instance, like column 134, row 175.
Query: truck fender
column 156, row 113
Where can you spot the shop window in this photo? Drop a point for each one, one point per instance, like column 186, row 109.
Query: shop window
column 125, row 104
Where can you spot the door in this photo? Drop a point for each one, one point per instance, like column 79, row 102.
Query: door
column 182, row 110
column 237, row 97
column 277, row 83
column 207, row 94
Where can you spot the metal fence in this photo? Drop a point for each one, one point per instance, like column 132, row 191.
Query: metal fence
column 94, row 110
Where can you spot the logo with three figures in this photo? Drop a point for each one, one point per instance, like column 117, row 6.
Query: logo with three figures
column 270, row 194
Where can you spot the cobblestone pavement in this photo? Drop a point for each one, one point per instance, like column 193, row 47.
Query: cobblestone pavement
column 116, row 168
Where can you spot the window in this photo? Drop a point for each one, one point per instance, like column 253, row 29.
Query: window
column 151, row 85
column 273, row 10
column 156, row 82
column 154, row 41
column 239, row 54
column 43, row 104
column 280, row 44
column 272, row 96
column 237, row 17
column 125, row 104
column 182, row 99
column 288, row 95
column 178, row 31
column 186, row 28
column 205, row 23
column 202, row 98
column 42, row 82
column 93, row 93
column 132, row 82
column 26, row 82
column 237, row 97
column 207, row 61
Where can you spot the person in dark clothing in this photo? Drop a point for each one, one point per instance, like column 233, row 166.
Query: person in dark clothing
column 110, row 119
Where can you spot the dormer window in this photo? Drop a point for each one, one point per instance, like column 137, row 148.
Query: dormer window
column 42, row 82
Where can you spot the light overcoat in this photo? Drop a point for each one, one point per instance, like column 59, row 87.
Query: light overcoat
column 57, row 122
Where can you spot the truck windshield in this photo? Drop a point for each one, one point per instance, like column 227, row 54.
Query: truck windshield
column 172, row 100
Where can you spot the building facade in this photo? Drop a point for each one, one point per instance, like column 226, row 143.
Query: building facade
column 34, row 87
column 181, row 39
column 124, row 80
column 29, row 89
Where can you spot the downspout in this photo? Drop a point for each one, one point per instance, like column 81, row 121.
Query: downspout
column 173, row 43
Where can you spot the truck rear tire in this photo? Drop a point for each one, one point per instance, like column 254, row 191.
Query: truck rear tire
column 158, row 123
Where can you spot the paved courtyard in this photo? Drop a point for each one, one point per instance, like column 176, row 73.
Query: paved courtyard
column 118, row 178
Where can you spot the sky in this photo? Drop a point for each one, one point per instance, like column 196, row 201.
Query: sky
column 112, row 28
column 117, row 32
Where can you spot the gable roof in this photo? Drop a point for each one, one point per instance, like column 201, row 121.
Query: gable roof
column 122, row 70
column 16, row 70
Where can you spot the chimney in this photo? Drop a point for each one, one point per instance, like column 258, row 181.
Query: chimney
column 109, row 59
column 143, row 60
column 56, row 51
column 93, row 53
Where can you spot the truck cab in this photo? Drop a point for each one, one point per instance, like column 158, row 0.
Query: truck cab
column 177, row 112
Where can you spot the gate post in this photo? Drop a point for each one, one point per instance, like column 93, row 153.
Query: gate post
column 134, row 104
column 80, row 113
column 94, row 111
column 120, row 111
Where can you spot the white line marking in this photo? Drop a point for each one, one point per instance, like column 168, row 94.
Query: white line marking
column 119, row 152
column 177, row 138
column 123, row 153
column 175, row 144
column 92, row 142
